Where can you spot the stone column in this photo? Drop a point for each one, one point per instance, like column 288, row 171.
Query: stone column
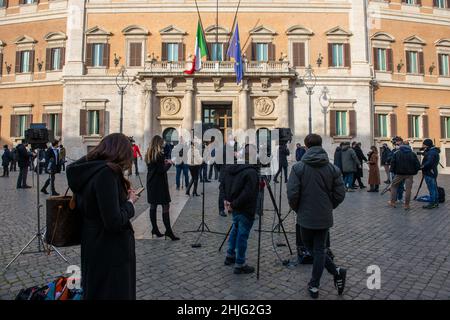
column 189, row 111
column 148, row 94
column 283, row 105
column 74, row 65
column 243, row 105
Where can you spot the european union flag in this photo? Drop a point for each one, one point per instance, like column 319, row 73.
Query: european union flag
column 234, row 51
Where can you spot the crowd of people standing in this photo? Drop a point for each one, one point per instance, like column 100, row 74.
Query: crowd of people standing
column 315, row 187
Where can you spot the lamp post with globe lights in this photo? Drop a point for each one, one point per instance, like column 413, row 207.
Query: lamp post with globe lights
column 309, row 81
column 324, row 101
column 122, row 82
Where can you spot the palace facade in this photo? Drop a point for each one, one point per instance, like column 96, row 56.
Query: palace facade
column 385, row 65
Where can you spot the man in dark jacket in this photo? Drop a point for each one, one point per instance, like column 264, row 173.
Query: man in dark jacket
column 23, row 160
column 359, row 172
column 299, row 152
column 6, row 159
column 430, row 164
column 386, row 156
column 53, row 166
column 404, row 166
column 13, row 166
column 338, row 156
column 241, row 186
column 283, row 153
column 350, row 165
column 314, row 189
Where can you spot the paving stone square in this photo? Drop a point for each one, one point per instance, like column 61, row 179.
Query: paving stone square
column 411, row 248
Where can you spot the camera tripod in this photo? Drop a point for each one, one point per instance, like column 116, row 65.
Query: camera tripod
column 263, row 183
column 203, row 227
column 40, row 234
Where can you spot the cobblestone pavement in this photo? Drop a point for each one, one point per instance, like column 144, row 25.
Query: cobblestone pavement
column 411, row 248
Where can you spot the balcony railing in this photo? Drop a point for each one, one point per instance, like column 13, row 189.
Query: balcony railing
column 218, row 67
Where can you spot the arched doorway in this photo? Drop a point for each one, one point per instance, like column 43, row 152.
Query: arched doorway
column 170, row 135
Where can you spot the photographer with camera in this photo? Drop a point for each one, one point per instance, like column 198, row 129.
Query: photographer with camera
column 52, row 167
column 314, row 189
column 430, row 163
column 241, row 187
column 404, row 166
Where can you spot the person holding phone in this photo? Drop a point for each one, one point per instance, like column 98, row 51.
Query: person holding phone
column 105, row 200
column 158, row 186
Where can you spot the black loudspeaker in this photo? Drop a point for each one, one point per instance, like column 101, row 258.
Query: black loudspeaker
column 285, row 135
column 38, row 135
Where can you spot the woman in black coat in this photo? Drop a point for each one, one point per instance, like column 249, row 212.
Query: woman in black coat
column 106, row 201
column 158, row 186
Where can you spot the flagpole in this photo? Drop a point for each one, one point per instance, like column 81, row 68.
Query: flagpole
column 234, row 21
column 199, row 17
column 217, row 28
column 201, row 23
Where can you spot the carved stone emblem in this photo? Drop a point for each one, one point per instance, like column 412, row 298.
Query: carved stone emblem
column 265, row 84
column 169, row 83
column 170, row 105
column 264, row 106
column 217, row 83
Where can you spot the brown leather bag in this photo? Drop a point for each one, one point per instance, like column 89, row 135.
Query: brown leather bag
column 63, row 221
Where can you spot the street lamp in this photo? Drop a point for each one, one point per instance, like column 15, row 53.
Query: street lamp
column 122, row 82
column 324, row 100
column 309, row 81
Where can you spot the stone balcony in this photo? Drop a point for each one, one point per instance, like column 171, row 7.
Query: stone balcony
column 278, row 69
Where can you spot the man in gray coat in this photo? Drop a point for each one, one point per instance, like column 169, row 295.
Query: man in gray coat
column 314, row 189
column 350, row 165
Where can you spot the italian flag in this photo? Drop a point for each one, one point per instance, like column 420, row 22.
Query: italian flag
column 200, row 51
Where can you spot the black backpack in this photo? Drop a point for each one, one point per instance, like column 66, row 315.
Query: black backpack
column 441, row 194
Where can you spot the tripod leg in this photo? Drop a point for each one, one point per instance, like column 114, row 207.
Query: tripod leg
column 420, row 186
column 279, row 217
column 54, row 249
column 226, row 237
column 20, row 252
column 259, row 244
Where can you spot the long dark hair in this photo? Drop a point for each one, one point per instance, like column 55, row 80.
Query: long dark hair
column 155, row 149
column 116, row 150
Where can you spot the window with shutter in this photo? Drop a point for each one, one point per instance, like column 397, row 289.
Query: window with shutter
column 271, row 52
column 31, row 62
column 1, row 64
column 347, row 55
column 393, row 121
column 332, row 123
column 390, row 60
column 376, row 125
column 445, row 127
column 101, row 122
column 105, row 60
column 62, row 60
column 180, row 52
column 83, row 122
column 89, row 54
column 13, row 126
column 425, row 131
column 444, row 64
column 135, row 54
column 48, row 59
column 352, row 123
column 421, row 63
column 298, row 54
column 18, row 62
column 164, row 51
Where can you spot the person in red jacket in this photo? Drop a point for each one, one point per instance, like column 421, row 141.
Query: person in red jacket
column 136, row 154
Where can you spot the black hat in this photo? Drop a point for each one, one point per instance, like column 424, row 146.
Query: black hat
column 428, row 142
